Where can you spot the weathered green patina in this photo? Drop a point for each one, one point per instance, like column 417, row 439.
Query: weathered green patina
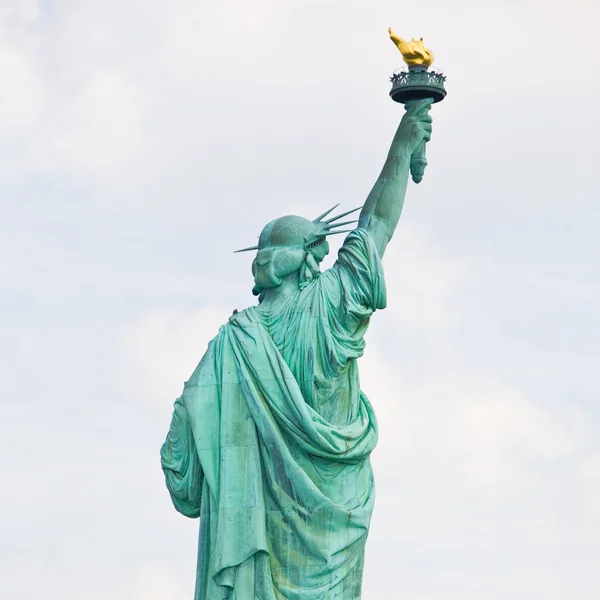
column 270, row 441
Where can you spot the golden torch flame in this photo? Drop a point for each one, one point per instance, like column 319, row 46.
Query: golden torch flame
column 413, row 52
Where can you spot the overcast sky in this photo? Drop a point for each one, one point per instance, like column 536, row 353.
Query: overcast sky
column 142, row 141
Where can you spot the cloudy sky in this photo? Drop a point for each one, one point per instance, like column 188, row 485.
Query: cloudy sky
column 142, row 141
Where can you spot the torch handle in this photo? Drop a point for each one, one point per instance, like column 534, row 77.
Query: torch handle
column 418, row 160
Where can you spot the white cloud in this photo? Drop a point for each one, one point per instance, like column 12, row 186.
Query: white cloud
column 235, row 34
column 463, row 433
column 98, row 133
column 21, row 92
column 151, row 581
column 589, row 482
column 18, row 12
column 421, row 281
column 163, row 347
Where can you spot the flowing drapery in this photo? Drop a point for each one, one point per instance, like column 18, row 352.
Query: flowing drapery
column 270, row 441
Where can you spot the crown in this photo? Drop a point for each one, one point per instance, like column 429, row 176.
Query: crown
column 321, row 228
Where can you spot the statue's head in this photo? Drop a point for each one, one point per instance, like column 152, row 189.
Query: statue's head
column 289, row 245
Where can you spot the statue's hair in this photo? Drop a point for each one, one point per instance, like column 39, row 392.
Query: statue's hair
column 271, row 265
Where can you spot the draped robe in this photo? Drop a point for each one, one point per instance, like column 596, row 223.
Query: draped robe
column 270, row 441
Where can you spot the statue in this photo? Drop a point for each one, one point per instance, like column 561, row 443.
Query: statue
column 270, row 440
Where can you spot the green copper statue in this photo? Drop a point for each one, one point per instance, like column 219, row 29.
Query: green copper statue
column 269, row 443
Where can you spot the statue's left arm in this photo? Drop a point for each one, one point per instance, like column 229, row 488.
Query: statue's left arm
column 180, row 464
column 381, row 211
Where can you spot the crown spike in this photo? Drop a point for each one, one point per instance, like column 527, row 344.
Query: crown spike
column 246, row 249
column 338, row 231
column 325, row 213
column 342, row 215
column 332, row 225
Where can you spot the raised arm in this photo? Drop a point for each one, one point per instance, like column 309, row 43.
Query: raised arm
column 381, row 212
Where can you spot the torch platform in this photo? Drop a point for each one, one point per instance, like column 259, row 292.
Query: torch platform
column 417, row 82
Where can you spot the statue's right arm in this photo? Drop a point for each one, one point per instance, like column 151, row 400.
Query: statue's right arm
column 381, row 211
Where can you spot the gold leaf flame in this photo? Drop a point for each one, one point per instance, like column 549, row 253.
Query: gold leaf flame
column 413, row 52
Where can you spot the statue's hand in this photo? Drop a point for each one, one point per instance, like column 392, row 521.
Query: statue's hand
column 415, row 126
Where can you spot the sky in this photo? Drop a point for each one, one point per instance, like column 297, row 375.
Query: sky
column 142, row 142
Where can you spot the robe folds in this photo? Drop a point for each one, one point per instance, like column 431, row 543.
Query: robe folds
column 270, row 441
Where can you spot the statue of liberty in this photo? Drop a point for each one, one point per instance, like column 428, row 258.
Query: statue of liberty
column 270, row 440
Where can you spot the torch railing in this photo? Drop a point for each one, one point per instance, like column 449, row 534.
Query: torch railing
column 432, row 76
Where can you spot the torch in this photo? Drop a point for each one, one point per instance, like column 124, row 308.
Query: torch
column 417, row 81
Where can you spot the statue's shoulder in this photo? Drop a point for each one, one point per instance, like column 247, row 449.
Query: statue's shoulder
column 209, row 371
column 241, row 318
